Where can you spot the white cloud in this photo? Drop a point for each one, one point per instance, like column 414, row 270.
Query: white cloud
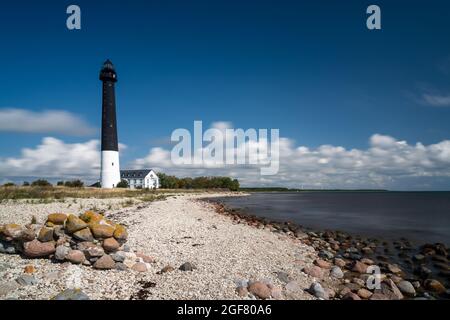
column 47, row 121
column 436, row 100
column 54, row 158
column 386, row 163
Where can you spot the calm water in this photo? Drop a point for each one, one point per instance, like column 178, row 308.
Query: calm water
column 418, row 216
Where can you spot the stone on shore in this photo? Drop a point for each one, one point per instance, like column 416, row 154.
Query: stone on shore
column 242, row 291
column 102, row 231
column 322, row 264
column 11, row 231
column 359, row 267
column 45, row 234
column 318, row 291
column 336, row 272
column 104, row 263
column 434, row 286
column 57, row 218
column 37, row 249
column 61, row 252
column 76, row 256
column 139, row 267
column 187, row 266
column 74, row 224
column 110, row 245
column 406, row 288
column 259, row 289
column 364, row 293
column 166, row 269
column 71, row 294
column 351, row 296
column 83, row 235
column 120, row 233
column 314, row 271
column 26, row 280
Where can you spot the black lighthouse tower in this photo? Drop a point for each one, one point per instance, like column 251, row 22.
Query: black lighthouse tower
column 110, row 169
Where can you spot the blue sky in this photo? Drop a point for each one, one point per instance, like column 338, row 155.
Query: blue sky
column 310, row 68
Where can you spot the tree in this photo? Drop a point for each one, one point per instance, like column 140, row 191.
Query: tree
column 74, row 184
column 60, row 183
column 9, row 184
column 122, row 184
column 25, row 183
column 41, row 183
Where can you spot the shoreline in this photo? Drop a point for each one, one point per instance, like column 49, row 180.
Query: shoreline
column 387, row 254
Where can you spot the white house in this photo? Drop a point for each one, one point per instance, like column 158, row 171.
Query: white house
column 145, row 178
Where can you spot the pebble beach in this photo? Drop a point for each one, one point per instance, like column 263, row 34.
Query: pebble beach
column 226, row 259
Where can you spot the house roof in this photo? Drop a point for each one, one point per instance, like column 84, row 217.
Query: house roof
column 142, row 173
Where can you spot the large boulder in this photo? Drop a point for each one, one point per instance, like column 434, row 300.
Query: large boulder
column 91, row 217
column 105, row 263
column 120, row 233
column 11, row 231
column 76, row 256
column 83, row 235
column 102, row 231
column 74, row 224
column 259, row 289
column 57, row 218
column 37, row 249
column 45, row 234
column 110, row 245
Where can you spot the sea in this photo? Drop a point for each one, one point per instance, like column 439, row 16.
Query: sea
column 420, row 217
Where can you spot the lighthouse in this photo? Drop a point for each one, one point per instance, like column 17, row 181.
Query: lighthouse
column 110, row 169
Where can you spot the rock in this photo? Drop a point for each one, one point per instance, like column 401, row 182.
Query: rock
column 187, row 266
column 322, row 264
column 29, row 269
column 325, row 254
column 71, row 294
column 37, row 249
column 11, row 231
column 407, row 288
column 317, row 290
column 364, row 293
column 6, row 287
column 419, row 257
column 102, row 231
column 340, row 262
column 434, row 286
column 76, row 256
column 110, row 245
column 259, row 289
column 118, row 256
column 351, row 296
column 394, row 268
column 26, row 280
column 378, row 296
column 276, row 292
column 336, row 272
column 145, row 258
column 83, row 235
column 28, row 235
column 7, row 247
column 283, row 276
column 300, row 235
column 94, row 252
column 57, row 218
column 359, row 282
column 390, row 289
column 166, row 269
column 61, row 252
column 359, row 267
column 293, row 287
column 91, row 217
column 121, row 266
column 242, row 291
column 423, row 271
column 74, row 224
column 314, row 271
column 104, row 263
column 46, row 234
column 120, row 233
column 367, row 261
column 139, row 267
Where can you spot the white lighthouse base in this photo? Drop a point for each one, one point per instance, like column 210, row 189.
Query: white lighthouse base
column 110, row 171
